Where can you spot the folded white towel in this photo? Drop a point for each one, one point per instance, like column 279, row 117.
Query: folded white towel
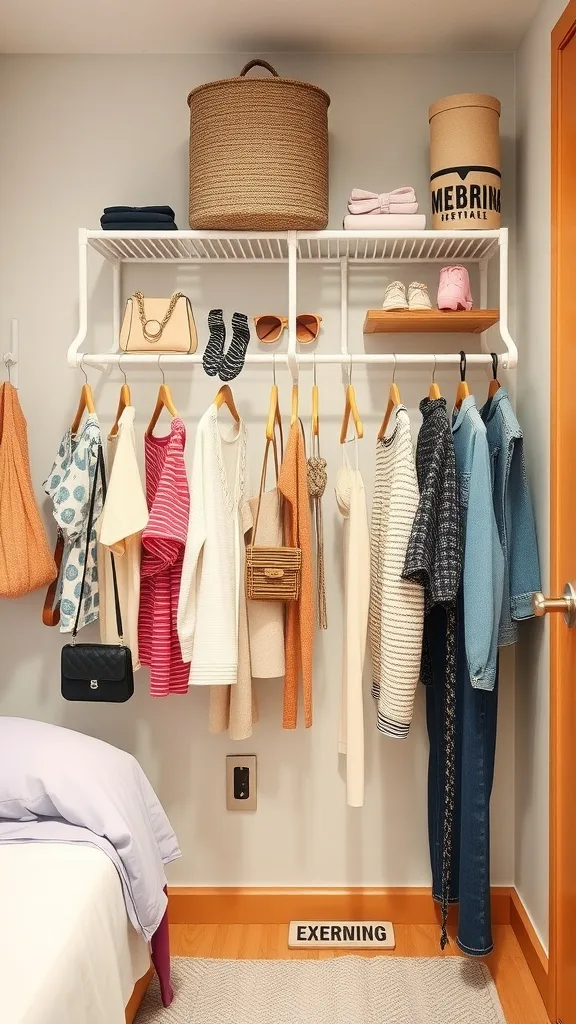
column 385, row 222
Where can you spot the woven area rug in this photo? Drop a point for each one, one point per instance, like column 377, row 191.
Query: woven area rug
column 345, row 990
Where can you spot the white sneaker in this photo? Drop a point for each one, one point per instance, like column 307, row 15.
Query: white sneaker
column 395, row 297
column 418, row 297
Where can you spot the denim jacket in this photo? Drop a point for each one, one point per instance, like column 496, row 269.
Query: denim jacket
column 483, row 576
column 514, row 514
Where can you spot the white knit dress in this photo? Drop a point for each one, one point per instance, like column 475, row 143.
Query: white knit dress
column 396, row 606
column 351, row 499
column 209, row 602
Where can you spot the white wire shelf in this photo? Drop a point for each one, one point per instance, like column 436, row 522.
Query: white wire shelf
column 293, row 248
column 311, row 247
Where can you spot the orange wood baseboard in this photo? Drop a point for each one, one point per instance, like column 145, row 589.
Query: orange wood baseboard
column 411, row 905
column 138, row 995
column 530, row 945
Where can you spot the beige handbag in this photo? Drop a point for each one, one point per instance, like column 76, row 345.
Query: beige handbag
column 158, row 325
column 272, row 573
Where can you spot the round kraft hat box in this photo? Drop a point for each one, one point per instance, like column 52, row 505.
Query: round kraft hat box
column 258, row 154
column 465, row 162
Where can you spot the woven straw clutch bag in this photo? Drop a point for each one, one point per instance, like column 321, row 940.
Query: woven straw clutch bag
column 272, row 573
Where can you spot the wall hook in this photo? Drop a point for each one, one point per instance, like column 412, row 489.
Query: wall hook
column 10, row 359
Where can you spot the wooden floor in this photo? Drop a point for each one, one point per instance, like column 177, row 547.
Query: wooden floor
column 518, row 993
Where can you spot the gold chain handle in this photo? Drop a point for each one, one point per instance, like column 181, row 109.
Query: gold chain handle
column 162, row 323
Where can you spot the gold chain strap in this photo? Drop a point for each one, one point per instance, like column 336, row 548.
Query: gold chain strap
column 161, row 323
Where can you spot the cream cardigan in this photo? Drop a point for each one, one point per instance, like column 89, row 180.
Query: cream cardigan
column 351, row 498
column 209, row 600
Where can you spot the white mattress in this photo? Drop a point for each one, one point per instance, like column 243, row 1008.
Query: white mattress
column 68, row 953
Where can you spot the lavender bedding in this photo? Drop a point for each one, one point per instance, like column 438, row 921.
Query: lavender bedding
column 57, row 785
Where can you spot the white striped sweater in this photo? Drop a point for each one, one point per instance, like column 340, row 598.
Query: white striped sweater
column 396, row 605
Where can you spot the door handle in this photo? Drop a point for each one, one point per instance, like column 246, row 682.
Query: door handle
column 565, row 604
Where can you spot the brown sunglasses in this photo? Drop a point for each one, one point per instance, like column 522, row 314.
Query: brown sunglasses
column 269, row 327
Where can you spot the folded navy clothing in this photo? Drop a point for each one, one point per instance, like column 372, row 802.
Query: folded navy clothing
column 166, row 210
column 127, row 218
column 138, row 226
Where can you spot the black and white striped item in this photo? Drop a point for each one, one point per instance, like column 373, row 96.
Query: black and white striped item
column 234, row 359
column 434, row 559
column 396, row 605
column 215, row 348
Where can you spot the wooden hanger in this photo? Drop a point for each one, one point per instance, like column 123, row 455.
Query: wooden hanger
column 125, row 400
column 494, row 383
column 350, row 410
column 274, row 418
column 393, row 401
column 163, row 401
column 434, row 391
column 86, row 403
column 225, row 397
column 463, row 391
column 294, row 412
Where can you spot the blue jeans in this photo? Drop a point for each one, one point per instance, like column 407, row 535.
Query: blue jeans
column 476, row 713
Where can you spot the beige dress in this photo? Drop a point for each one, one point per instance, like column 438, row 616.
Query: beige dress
column 266, row 618
column 233, row 709
column 124, row 517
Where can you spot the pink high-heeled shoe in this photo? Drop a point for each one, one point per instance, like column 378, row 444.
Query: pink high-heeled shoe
column 454, row 289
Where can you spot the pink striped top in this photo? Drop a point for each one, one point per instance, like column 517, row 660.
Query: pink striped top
column 163, row 542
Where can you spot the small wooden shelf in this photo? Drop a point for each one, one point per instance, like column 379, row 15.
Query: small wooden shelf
column 380, row 321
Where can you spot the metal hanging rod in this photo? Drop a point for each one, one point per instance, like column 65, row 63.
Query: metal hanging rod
column 302, row 359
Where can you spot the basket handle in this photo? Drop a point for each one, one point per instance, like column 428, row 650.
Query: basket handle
column 257, row 63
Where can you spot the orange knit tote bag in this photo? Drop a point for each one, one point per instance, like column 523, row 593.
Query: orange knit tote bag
column 25, row 559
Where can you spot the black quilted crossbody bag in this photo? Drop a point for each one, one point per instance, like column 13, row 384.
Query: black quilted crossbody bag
column 97, row 672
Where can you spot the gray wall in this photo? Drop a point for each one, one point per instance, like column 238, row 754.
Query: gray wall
column 79, row 133
column 532, row 671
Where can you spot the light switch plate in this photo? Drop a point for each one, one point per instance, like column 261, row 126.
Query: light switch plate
column 235, row 762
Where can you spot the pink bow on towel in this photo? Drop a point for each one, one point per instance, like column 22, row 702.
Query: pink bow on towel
column 400, row 200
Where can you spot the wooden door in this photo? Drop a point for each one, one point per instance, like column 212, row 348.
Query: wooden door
column 562, row 1003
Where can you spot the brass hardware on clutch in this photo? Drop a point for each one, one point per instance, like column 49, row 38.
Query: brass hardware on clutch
column 93, row 684
column 565, row 604
column 152, row 334
column 274, row 574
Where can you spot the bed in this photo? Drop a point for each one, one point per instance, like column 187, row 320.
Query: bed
column 84, row 842
column 68, row 953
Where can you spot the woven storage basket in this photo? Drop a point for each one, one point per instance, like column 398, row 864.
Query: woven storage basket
column 258, row 154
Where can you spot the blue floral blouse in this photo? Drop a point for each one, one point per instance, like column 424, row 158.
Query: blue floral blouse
column 69, row 486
